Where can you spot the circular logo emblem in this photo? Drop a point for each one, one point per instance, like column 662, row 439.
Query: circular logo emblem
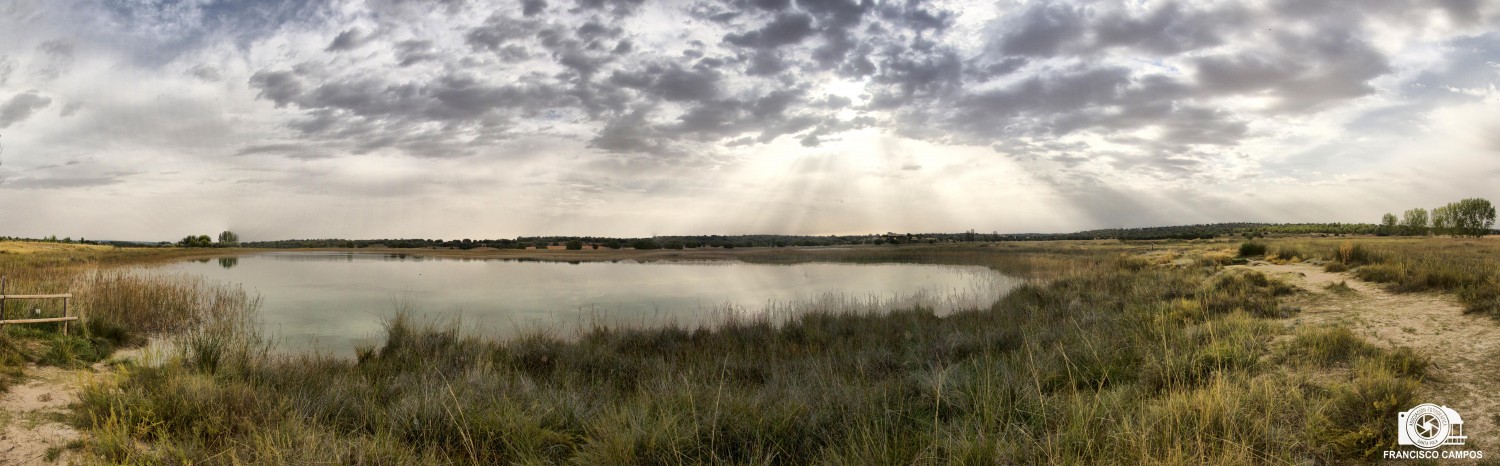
column 1426, row 426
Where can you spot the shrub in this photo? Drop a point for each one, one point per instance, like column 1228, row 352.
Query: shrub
column 1251, row 248
column 73, row 351
column 1246, row 290
column 1289, row 252
column 1358, row 423
column 1381, row 273
column 1351, row 253
column 1328, row 345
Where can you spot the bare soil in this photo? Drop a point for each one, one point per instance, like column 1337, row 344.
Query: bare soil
column 1465, row 349
column 32, row 416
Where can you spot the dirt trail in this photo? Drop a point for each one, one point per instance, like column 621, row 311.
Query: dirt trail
column 32, row 412
column 1465, row 349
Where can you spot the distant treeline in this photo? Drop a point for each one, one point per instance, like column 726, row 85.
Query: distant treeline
column 1468, row 217
column 1204, row 231
column 1445, row 221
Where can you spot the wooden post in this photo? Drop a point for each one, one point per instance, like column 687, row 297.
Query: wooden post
column 65, row 314
column 2, row 302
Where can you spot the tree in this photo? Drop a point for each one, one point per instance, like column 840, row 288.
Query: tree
column 574, row 245
column 1387, row 224
column 200, row 241
column 1414, row 222
column 1473, row 217
column 1442, row 220
column 229, row 239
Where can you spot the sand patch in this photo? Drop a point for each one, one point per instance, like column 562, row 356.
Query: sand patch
column 1465, row 349
column 32, row 414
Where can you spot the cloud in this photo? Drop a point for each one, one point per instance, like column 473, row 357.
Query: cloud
column 70, row 109
column 205, row 72
column 577, row 104
column 786, row 29
column 61, row 183
column 22, row 106
column 350, row 39
column 56, row 59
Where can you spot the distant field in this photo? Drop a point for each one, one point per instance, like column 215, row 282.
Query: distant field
column 33, row 247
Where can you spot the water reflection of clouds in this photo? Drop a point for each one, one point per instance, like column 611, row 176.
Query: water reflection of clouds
column 339, row 299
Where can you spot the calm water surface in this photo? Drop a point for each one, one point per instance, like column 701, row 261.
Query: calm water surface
column 333, row 301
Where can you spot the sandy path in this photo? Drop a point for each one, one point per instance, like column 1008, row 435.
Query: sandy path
column 1465, row 349
column 31, row 414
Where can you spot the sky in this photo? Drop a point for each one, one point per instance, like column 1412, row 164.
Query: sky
column 153, row 120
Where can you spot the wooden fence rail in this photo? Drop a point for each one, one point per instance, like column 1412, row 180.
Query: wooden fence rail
column 63, row 296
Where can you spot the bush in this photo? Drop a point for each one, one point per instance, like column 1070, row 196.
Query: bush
column 1358, row 423
column 1251, row 248
column 1381, row 273
column 1246, row 290
column 73, row 351
column 575, row 245
column 1353, row 254
column 1289, row 252
column 1327, row 345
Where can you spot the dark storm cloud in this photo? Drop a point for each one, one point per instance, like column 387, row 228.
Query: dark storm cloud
column 22, row 106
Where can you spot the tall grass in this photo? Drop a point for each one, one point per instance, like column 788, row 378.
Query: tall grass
column 1108, row 360
column 118, row 308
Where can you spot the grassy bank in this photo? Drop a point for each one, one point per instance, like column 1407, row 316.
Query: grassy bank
column 1158, row 355
column 121, row 309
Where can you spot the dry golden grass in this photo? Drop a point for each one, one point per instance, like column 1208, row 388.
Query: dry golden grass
column 36, row 247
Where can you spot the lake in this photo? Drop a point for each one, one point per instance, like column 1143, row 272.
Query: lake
column 334, row 301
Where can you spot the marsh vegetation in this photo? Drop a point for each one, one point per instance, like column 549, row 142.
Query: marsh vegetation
column 1109, row 353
